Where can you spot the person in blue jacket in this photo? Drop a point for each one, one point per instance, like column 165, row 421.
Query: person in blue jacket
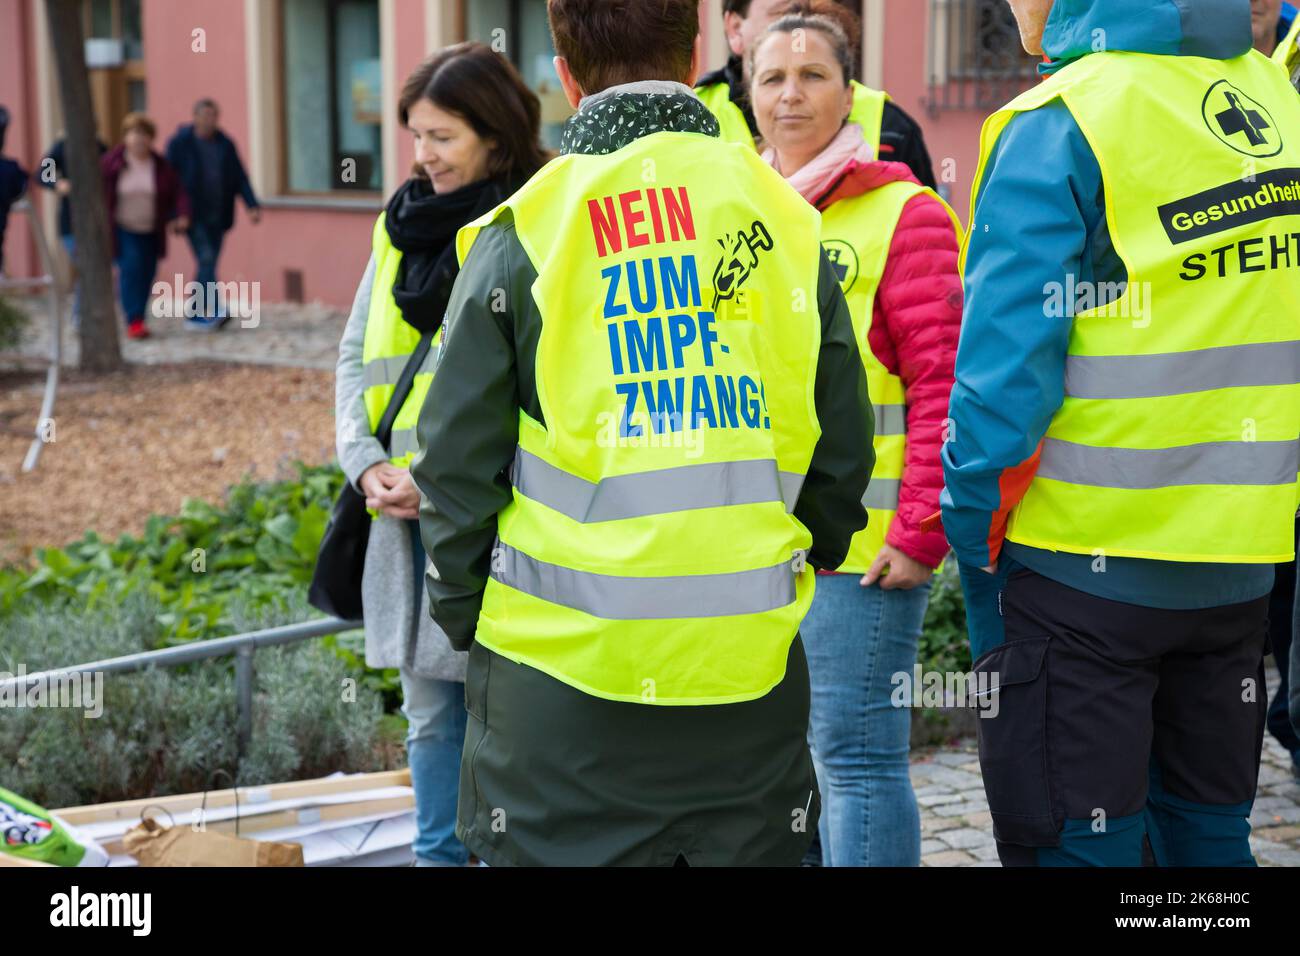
column 1040, row 218
column 210, row 169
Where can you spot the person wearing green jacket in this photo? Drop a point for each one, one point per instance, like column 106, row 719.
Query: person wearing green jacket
column 629, row 582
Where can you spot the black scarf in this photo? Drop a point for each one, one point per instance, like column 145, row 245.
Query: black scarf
column 422, row 225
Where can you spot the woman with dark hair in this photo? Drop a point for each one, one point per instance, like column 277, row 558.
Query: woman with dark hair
column 475, row 125
column 894, row 245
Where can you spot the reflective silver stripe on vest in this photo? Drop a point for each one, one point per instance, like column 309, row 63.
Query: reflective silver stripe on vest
column 708, row 485
column 627, row 599
column 1208, row 463
column 404, row 443
column 890, row 419
column 1178, row 373
column 882, row 494
column 386, row 371
column 791, row 484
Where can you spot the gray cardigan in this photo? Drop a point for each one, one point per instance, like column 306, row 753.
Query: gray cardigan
column 395, row 635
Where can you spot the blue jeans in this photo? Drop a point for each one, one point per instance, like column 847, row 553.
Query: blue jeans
column 856, row 639
column 206, row 239
column 137, row 264
column 435, row 715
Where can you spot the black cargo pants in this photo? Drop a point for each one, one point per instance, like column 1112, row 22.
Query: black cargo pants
column 1118, row 724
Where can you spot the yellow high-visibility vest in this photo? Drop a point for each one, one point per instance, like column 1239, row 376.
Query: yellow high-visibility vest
column 1179, row 435
column 650, row 553
column 856, row 234
column 389, row 342
column 868, row 111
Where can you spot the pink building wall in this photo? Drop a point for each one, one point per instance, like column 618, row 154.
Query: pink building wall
column 17, row 93
column 410, row 51
column 326, row 243
column 952, row 136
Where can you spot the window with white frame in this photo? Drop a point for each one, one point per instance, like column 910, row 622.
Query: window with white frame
column 518, row 29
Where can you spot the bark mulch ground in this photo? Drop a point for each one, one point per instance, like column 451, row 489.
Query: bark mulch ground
column 138, row 442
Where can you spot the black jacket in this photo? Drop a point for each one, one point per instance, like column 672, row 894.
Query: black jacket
column 901, row 140
column 183, row 154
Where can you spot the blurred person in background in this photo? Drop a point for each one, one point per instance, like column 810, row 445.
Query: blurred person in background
column 13, row 183
column 52, row 176
column 476, row 130
column 1272, row 23
column 210, row 169
column 894, row 244
column 143, row 195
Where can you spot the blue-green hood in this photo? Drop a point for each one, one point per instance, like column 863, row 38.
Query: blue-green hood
column 1217, row 29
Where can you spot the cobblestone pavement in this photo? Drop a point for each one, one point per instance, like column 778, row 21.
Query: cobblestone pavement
column 956, row 829
column 304, row 336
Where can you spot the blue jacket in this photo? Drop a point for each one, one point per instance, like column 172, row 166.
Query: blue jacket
column 1039, row 215
column 183, row 154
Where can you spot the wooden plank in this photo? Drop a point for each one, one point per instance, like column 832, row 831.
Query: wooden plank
column 287, row 818
column 183, row 803
column 8, row 859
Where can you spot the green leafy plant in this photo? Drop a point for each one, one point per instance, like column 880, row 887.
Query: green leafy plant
column 202, row 568
column 260, row 547
column 944, row 649
column 944, row 645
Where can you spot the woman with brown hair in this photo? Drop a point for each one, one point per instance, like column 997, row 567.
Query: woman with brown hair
column 143, row 194
column 894, row 244
column 475, row 125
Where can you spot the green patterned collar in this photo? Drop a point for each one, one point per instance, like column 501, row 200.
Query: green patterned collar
column 609, row 120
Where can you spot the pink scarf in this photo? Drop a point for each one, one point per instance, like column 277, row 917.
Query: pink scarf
column 814, row 179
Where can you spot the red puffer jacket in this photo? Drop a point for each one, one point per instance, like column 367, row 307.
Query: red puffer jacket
column 914, row 332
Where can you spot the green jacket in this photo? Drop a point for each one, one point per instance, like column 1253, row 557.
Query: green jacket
column 543, row 759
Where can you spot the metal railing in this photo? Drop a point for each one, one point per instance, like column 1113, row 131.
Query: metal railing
column 242, row 646
column 50, row 283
